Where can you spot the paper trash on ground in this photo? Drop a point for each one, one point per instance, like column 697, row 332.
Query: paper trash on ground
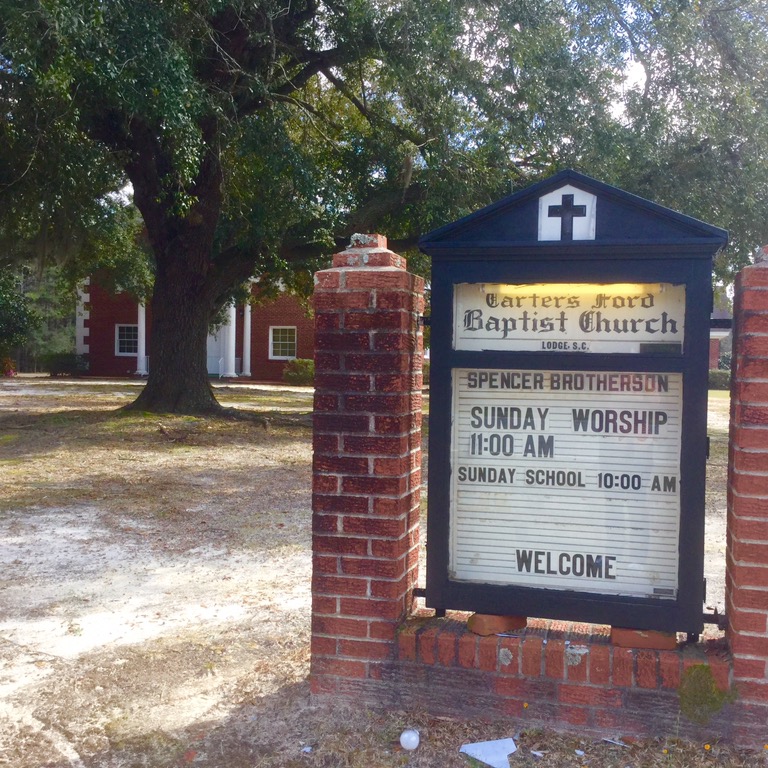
column 493, row 753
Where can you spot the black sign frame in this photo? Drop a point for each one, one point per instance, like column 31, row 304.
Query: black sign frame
column 678, row 251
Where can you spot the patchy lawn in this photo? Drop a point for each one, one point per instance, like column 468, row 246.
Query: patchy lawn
column 155, row 597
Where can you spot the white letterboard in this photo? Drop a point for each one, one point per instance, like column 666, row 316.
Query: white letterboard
column 574, row 317
column 566, row 480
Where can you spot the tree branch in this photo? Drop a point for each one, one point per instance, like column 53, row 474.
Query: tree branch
column 368, row 217
column 314, row 63
column 346, row 91
column 294, row 251
column 373, row 119
column 636, row 50
column 312, row 112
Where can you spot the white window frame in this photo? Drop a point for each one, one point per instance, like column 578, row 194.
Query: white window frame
column 272, row 329
column 118, row 353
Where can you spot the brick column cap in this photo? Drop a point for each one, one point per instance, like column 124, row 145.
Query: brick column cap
column 368, row 251
column 755, row 276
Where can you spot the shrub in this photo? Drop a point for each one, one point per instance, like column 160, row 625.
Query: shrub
column 425, row 373
column 65, row 364
column 719, row 379
column 7, row 366
column 300, row 372
column 17, row 318
column 700, row 697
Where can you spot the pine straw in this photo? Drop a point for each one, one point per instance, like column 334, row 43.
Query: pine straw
column 205, row 516
column 373, row 740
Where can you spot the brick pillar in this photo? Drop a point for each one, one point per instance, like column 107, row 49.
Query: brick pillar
column 367, row 461
column 746, row 593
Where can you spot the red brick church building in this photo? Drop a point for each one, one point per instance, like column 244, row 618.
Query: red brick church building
column 113, row 331
column 256, row 341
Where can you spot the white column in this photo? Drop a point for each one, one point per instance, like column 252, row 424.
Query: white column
column 230, row 336
column 141, row 348
column 247, row 340
column 81, row 315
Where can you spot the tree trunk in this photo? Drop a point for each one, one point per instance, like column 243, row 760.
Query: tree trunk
column 188, row 284
column 178, row 379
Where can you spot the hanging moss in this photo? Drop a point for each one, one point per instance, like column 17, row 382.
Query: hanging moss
column 700, row 698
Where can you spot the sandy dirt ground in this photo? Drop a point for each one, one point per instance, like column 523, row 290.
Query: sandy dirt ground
column 155, row 589
column 155, row 580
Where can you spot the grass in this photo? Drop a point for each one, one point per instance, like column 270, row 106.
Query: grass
column 151, row 471
column 369, row 744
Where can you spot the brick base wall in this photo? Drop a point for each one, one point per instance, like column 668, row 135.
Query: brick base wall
column 367, row 644
column 545, row 676
column 556, row 675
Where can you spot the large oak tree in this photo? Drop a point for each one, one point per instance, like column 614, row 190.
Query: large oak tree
column 17, row 318
column 257, row 136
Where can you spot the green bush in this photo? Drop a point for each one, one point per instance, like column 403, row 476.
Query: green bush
column 300, row 372
column 719, row 379
column 425, row 373
column 64, row 364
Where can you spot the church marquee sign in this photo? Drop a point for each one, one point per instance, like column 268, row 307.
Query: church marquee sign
column 569, row 318
column 607, row 442
column 568, row 414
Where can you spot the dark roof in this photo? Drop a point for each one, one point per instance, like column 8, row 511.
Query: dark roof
column 622, row 219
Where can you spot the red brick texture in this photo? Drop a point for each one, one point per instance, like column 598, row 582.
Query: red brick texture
column 107, row 309
column 366, row 647
column 282, row 310
column 746, row 597
column 555, row 676
column 714, row 353
column 367, row 465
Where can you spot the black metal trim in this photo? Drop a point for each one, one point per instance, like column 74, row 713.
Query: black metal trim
column 719, row 619
column 613, row 250
column 689, row 265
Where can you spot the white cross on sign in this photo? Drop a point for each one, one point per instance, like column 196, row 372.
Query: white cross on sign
column 567, row 206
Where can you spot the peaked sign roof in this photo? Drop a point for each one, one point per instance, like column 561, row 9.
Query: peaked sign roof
column 575, row 211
